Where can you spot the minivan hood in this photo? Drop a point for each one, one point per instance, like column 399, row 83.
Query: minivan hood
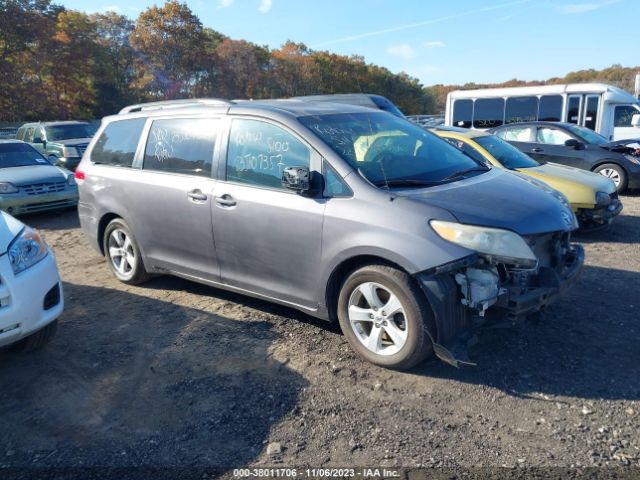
column 10, row 227
column 32, row 174
column 499, row 199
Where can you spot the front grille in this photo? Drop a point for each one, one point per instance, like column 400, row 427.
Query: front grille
column 52, row 298
column 43, row 188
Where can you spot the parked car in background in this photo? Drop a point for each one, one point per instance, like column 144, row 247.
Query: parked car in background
column 426, row 121
column 610, row 111
column 31, row 297
column 29, row 183
column 63, row 143
column 369, row 100
column 592, row 197
column 341, row 211
column 575, row 146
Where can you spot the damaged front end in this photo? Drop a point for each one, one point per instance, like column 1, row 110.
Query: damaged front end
column 482, row 290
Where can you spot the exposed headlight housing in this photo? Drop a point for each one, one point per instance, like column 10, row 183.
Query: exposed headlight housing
column 6, row 187
column 70, row 152
column 632, row 159
column 505, row 244
column 603, row 199
column 26, row 250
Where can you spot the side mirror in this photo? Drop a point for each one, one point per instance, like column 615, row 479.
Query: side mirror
column 572, row 142
column 296, row 178
column 635, row 120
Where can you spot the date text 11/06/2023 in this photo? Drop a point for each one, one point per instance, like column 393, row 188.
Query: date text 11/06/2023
column 372, row 473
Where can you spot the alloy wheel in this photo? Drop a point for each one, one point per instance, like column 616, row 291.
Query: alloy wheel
column 121, row 252
column 611, row 174
column 377, row 318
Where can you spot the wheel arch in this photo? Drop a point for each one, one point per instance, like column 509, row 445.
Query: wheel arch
column 102, row 226
column 611, row 161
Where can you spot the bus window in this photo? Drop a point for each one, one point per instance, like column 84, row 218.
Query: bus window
column 521, row 109
column 573, row 109
column 488, row 112
column 591, row 113
column 462, row 112
column 550, row 108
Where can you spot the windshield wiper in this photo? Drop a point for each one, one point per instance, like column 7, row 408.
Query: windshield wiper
column 407, row 182
column 462, row 173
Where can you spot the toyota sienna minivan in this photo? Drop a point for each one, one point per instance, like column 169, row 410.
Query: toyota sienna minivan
column 346, row 213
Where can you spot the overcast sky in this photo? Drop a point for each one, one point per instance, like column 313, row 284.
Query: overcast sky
column 436, row 41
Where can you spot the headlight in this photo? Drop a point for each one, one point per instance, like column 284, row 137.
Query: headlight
column 632, row 159
column 26, row 250
column 487, row 240
column 6, row 187
column 603, row 198
column 71, row 181
column 70, row 152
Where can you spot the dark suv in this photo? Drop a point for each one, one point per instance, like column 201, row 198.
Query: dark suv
column 344, row 212
column 63, row 143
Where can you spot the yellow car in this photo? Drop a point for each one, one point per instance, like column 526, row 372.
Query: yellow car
column 593, row 197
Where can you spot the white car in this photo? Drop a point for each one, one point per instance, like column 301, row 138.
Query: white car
column 31, row 297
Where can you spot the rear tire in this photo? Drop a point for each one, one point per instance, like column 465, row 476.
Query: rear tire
column 385, row 317
column 123, row 254
column 614, row 172
column 37, row 339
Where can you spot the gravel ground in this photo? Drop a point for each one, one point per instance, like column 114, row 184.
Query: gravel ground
column 173, row 373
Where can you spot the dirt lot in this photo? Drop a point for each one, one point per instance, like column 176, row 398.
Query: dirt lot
column 174, row 373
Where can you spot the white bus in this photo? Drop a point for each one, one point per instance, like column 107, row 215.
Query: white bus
column 610, row 111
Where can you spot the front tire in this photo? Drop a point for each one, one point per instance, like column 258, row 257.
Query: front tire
column 385, row 317
column 615, row 173
column 123, row 254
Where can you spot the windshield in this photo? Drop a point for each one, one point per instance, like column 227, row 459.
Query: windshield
column 588, row 136
column 508, row 155
column 65, row 132
column 20, row 155
column 391, row 151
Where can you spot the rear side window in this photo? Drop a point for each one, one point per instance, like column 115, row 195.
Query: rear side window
column 521, row 109
column 118, row 142
column 462, row 113
column 258, row 153
column 550, row 109
column 516, row 134
column 488, row 112
column 181, row 145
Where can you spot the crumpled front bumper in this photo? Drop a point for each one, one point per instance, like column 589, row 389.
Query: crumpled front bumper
column 457, row 323
column 595, row 217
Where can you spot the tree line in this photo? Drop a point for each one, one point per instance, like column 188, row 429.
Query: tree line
column 57, row 63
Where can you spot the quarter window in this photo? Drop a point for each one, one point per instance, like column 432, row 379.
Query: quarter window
column 258, row 153
column 550, row 109
column 118, row 142
column 552, row 136
column 521, row 109
column 622, row 115
column 488, row 112
column 181, row 145
column 462, row 113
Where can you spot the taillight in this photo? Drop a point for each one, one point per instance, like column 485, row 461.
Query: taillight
column 79, row 175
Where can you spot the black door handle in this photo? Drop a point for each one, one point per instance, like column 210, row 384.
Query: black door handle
column 226, row 200
column 197, row 195
column 537, row 150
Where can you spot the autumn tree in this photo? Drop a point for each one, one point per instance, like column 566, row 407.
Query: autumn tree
column 241, row 69
column 170, row 44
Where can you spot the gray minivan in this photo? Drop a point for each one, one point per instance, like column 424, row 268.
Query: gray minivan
column 343, row 212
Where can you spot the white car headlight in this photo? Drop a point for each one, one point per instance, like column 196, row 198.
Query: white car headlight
column 6, row 187
column 486, row 240
column 26, row 250
column 70, row 152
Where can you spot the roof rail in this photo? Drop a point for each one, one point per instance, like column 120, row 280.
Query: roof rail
column 186, row 102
